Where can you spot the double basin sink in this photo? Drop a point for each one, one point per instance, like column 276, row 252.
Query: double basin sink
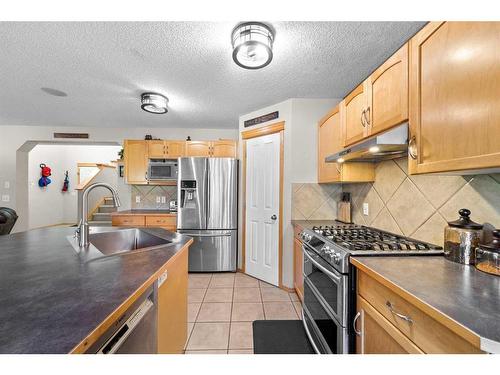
column 108, row 241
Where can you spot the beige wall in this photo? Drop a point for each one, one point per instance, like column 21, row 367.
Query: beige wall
column 417, row 206
column 301, row 117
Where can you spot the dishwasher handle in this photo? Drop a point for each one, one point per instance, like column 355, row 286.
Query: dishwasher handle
column 116, row 341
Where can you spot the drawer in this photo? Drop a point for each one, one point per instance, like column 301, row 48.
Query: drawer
column 161, row 221
column 427, row 333
column 128, row 220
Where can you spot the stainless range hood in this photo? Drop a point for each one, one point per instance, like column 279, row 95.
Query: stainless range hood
column 389, row 145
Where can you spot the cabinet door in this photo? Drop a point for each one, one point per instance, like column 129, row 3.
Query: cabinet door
column 329, row 142
column 377, row 335
column 224, row 149
column 351, row 111
column 156, row 149
column 172, row 307
column 387, row 93
column 454, row 97
column 136, row 162
column 175, row 149
column 298, row 278
column 198, row 148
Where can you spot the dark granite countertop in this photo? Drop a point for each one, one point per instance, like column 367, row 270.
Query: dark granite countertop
column 145, row 212
column 51, row 299
column 462, row 293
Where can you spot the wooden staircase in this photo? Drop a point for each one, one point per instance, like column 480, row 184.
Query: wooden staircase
column 102, row 215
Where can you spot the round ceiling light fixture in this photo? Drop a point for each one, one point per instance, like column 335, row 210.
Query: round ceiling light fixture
column 252, row 45
column 154, row 103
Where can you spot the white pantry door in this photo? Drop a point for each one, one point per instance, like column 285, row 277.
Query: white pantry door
column 262, row 207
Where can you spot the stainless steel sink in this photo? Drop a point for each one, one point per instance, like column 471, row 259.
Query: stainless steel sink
column 125, row 240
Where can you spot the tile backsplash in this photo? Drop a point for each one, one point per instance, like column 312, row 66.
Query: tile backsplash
column 148, row 195
column 417, row 206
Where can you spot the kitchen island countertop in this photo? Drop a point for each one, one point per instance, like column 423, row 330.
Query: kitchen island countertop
column 51, row 301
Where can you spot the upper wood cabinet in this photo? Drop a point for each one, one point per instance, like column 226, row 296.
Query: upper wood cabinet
column 224, row 149
column 387, row 93
column 136, row 161
column 198, row 148
column 159, row 149
column 216, row 149
column 455, row 97
column 352, row 110
column 175, row 149
column 330, row 142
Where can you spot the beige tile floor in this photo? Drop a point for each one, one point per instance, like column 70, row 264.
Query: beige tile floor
column 222, row 307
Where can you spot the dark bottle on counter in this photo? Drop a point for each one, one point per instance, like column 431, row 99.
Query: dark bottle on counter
column 461, row 238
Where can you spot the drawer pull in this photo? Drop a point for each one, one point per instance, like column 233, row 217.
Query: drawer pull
column 406, row 318
column 354, row 323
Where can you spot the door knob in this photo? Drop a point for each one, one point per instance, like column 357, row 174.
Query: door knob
column 274, row 217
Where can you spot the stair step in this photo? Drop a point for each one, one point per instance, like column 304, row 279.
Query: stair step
column 100, row 223
column 101, row 216
column 108, row 200
column 106, row 208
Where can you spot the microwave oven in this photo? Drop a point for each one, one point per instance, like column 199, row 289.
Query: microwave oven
column 162, row 169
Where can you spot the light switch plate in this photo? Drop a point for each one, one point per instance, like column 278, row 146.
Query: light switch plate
column 6, row 185
column 158, row 199
column 137, row 199
column 365, row 209
column 5, row 198
column 163, row 199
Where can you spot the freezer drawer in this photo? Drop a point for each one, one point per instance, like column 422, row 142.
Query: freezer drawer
column 212, row 250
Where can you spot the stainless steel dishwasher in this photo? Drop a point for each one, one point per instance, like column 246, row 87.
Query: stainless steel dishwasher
column 135, row 332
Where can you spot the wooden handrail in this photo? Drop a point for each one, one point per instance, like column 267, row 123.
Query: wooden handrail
column 82, row 185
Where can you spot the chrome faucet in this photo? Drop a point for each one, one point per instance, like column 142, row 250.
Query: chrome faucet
column 82, row 232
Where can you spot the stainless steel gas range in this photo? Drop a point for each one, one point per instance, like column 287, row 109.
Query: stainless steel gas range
column 329, row 302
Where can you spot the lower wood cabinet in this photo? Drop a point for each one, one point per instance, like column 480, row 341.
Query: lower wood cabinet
column 168, row 222
column 376, row 335
column 388, row 323
column 298, row 267
column 172, row 306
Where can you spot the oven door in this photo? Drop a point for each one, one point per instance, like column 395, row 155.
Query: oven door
column 325, row 333
column 330, row 286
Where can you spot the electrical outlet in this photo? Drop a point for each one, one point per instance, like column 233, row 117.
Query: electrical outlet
column 6, row 185
column 163, row 199
column 158, row 199
column 365, row 209
column 137, row 199
column 5, row 198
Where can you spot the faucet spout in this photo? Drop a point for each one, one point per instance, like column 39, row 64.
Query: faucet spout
column 83, row 228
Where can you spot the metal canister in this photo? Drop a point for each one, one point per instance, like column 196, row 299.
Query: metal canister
column 461, row 238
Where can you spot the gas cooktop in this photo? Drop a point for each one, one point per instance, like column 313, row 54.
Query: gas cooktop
column 335, row 243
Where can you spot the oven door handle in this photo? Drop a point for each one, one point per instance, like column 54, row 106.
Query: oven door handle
column 329, row 273
column 306, row 328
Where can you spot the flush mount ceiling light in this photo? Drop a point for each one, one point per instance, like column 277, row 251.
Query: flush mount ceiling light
column 252, row 45
column 154, row 103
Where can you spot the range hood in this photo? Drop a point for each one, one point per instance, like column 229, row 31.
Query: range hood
column 389, row 145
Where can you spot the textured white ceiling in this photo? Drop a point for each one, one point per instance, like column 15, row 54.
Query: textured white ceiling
column 105, row 66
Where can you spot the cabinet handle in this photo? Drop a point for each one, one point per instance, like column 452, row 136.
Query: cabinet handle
column 363, row 119
column 367, row 117
column 412, row 148
column 146, row 175
column 406, row 318
column 354, row 323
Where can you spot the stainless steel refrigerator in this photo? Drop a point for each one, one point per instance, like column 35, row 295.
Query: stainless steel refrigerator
column 207, row 193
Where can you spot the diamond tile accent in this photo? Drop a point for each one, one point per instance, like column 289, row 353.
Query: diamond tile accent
column 432, row 230
column 409, row 207
column 148, row 196
column 388, row 177
column 386, row 222
column 438, row 189
column 315, row 201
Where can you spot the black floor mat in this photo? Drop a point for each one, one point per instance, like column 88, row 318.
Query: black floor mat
column 280, row 337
